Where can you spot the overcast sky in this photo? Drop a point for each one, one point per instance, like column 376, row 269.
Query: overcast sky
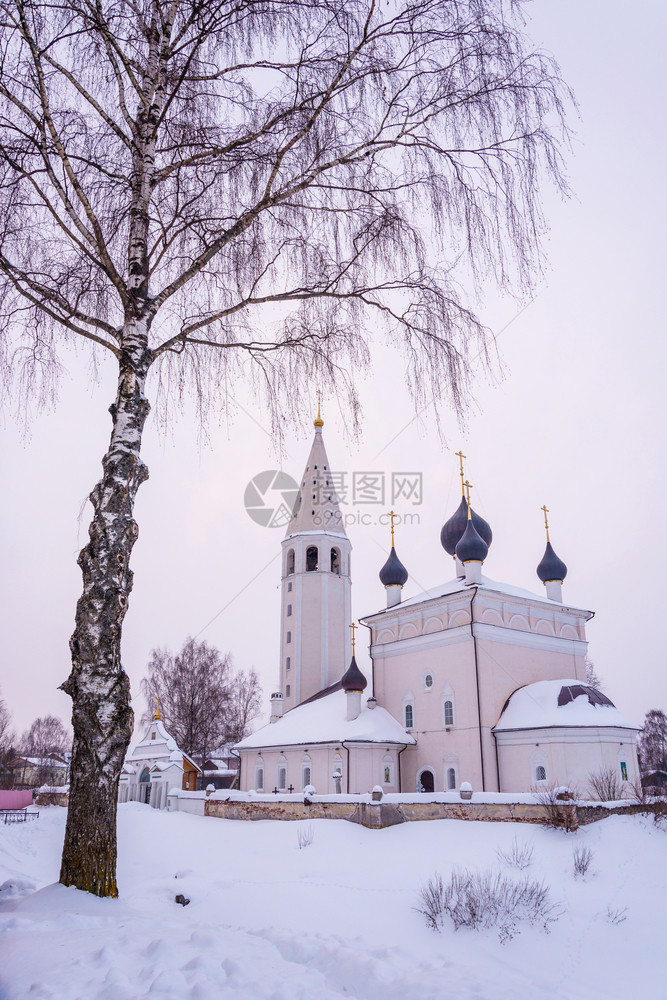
column 574, row 420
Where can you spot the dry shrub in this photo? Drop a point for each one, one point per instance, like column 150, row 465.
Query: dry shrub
column 484, row 899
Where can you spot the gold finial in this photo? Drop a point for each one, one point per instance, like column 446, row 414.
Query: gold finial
column 353, row 626
column 546, row 523
column 392, row 516
column 461, row 456
column 318, row 422
column 158, row 713
column 466, row 492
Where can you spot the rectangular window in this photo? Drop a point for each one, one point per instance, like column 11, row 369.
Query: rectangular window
column 288, row 663
column 386, row 774
column 288, row 638
column 624, row 771
column 259, row 779
column 289, row 587
column 287, row 690
column 289, row 610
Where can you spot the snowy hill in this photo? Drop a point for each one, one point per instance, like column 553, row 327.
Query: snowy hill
column 337, row 918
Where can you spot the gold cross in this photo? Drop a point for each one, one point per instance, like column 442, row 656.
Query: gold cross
column 392, row 516
column 467, row 489
column 318, row 420
column 546, row 523
column 353, row 626
column 461, row 456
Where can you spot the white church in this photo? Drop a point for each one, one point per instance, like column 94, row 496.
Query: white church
column 472, row 681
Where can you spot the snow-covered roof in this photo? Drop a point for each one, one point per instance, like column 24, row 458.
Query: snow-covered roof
column 559, row 703
column 324, row 721
column 162, row 748
column 458, row 584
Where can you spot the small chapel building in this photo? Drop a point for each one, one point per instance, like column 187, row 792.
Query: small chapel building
column 153, row 766
column 472, row 681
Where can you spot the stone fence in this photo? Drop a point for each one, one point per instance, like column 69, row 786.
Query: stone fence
column 392, row 811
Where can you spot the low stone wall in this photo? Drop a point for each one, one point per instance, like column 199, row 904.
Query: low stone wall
column 52, row 799
column 591, row 813
column 380, row 815
column 282, row 810
column 376, row 815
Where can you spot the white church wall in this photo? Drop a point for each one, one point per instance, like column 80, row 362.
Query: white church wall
column 569, row 756
column 366, row 764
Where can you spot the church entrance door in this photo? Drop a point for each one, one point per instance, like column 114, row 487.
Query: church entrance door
column 426, row 779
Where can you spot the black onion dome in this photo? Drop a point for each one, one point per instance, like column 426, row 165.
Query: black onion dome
column 483, row 528
column 472, row 547
column 452, row 531
column 393, row 573
column 551, row 567
column 353, row 679
column 454, row 528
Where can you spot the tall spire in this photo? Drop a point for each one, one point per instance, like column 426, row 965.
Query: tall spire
column 316, row 507
column 316, row 586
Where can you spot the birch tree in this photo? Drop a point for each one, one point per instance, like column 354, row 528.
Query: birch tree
column 211, row 190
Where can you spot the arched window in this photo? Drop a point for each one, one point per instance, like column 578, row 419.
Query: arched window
column 282, row 777
column 451, row 778
column 409, row 717
column 449, row 713
column 259, row 778
column 335, row 562
column 305, row 776
column 287, row 690
column 145, row 775
column 311, row 558
column 540, row 773
column 290, row 562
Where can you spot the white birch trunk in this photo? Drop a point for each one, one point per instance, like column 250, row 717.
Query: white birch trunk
column 98, row 685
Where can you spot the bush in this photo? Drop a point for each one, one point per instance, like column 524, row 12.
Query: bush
column 305, row 835
column 519, row 855
column 581, row 860
column 483, row 899
column 560, row 812
column 617, row 916
column 606, row 785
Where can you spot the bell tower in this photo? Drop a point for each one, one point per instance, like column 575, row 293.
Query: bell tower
column 316, row 584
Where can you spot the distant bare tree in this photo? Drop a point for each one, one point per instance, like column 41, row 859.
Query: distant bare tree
column 215, row 190
column 592, row 675
column 652, row 741
column 7, row 743
column 203, row 702
column 245, row 704
column 46, row 737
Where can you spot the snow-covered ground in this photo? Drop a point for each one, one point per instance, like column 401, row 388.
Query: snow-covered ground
column 270, row 921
